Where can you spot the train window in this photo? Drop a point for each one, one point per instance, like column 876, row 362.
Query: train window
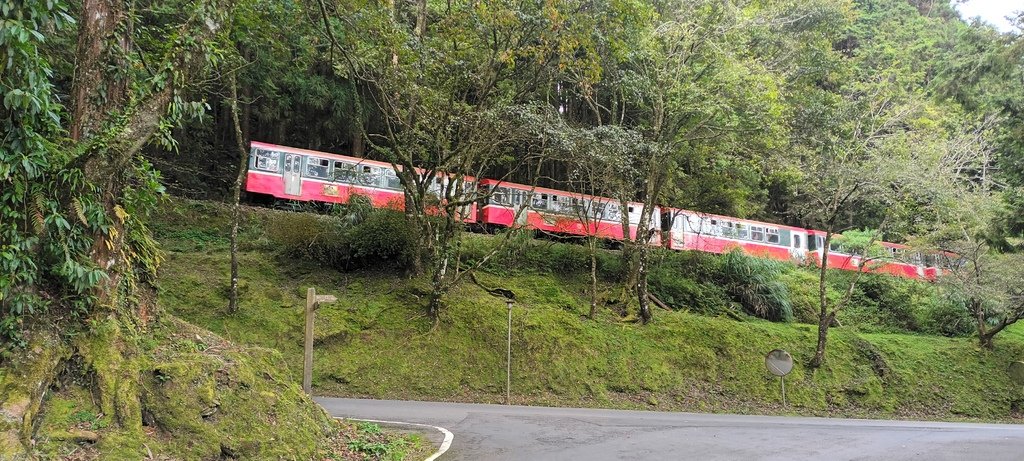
column 499, row 196
column 705, row 226
column 727, row 229
column 773, row 235
column 757, row 233
column 517, row 196
column 268, row 160
column 318, row 167
column 369, row 176
column 612, row 212
column 796, row 241
column 554, row 205
column 391, row 180
column 631, row 209
column 344, row 172
column 742, row 232
column 540, row 201
column 468, row 189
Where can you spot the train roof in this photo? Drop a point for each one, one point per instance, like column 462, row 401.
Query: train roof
column 732, row 218
column 546, row 190
column 357, row 160
column 296, row 150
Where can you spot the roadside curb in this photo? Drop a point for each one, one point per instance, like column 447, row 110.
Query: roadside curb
column 445, row 445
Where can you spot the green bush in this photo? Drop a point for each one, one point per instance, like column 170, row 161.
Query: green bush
column 709, row 283
column 308, row 236
column 946, row 316
column 895, row 298
column 754, row 283
column 684, row 293
column 802, row 284
column 383, row 237
column 347, row 240
column 522, row 253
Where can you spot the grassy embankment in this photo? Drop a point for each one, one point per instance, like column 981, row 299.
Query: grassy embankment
column 376, row 343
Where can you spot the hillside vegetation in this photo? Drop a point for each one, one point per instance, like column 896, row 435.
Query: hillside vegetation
column 377, row 342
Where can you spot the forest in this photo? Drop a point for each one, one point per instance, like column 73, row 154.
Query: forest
column 871, row 120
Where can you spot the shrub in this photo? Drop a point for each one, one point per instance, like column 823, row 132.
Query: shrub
column 310, row 236
column 947, row 316
column 754, row 283
column 384, row 236
column 681, row 292
column 895, row 299
column 346, row 240
column 802, row 285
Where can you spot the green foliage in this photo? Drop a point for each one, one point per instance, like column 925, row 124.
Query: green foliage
column 802, row 285
column 753, row 282
column 355, row 238
column 690, row 280
column 48, row 212
column 711, row 283
column 946, row 317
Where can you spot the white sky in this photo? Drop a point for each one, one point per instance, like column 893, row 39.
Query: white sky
column 991, row 11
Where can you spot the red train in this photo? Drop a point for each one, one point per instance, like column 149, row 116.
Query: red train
column 305, row 175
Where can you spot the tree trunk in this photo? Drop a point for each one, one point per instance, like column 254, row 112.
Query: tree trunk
column 641, row 285
column 824, row 318
column 421, row 18
column 819, row 353
column 358, row 145
column 236, row 211
column 592, row 241
column 97, row 32
column 986, row 340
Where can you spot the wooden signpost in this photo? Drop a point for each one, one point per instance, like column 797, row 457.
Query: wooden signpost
column 312, row 304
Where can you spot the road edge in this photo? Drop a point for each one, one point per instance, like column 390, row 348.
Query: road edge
column 445, row 444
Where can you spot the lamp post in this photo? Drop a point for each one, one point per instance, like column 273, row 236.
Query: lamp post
column 508, row 357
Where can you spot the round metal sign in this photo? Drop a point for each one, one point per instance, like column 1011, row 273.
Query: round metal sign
column 779, row 362
column 1017, row 372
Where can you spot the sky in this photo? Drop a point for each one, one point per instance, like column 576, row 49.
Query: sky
column 991, row 11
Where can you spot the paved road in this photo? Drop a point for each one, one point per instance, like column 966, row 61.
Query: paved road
column 496, row 432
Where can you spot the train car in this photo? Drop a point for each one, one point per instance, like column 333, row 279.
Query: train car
column 938, row 263
column 559, row 212
column 305, row 175
column 896, row 259
column 689, row 230
column 290, row 173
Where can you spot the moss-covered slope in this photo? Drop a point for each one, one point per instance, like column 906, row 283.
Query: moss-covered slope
column 202, row 398
column 376, row 343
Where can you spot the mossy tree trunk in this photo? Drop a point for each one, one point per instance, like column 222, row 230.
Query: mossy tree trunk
column 824, row 317
column 592, row 245
column 236, row 211
column 112, row 118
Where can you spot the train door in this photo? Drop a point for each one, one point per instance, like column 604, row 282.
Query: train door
column 293, row 174
column 797, row 246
